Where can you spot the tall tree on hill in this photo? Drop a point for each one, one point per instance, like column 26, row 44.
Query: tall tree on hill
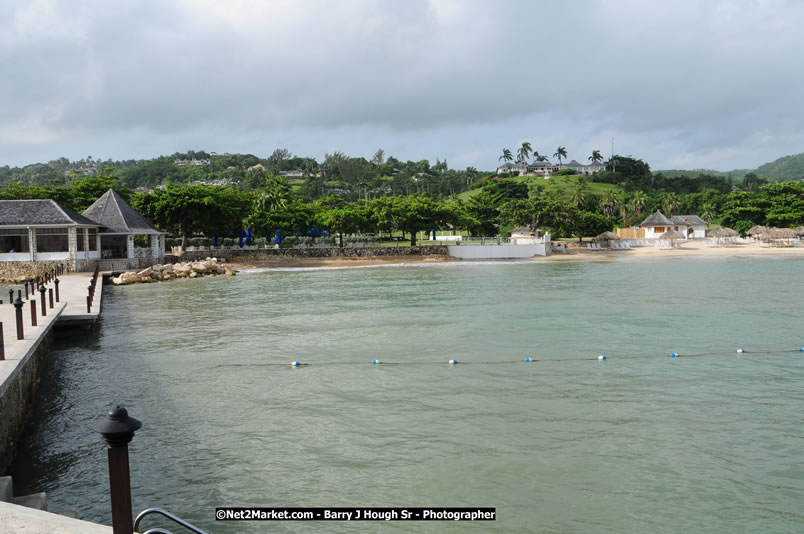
column 524, row 152
column 561, row 152
column 506, row 156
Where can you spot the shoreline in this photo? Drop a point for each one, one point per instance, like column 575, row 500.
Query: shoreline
column 691, row 249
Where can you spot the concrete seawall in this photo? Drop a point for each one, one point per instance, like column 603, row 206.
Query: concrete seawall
column 272, row 254
column 19, row 378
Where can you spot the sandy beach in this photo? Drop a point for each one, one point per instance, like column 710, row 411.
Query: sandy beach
column 690, row 249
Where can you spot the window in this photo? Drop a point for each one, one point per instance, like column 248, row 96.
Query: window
column 14, row 240
column 93, row 239
column 659, row 230
column 52, row 240
column 79, row 239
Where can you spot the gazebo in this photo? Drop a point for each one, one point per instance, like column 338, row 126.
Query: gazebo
column 120, row 225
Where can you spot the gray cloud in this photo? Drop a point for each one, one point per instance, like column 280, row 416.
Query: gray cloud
column 676, row 82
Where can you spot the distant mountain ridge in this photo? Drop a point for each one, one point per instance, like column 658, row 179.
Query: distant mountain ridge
column 784, row 168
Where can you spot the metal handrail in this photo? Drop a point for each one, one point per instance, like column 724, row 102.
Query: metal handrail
column 165, row 513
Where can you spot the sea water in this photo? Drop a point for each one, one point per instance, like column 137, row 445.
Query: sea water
column 640, row 442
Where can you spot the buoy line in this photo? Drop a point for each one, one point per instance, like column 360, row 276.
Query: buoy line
column 527, row 359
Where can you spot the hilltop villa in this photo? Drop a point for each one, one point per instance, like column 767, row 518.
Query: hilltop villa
column 546, row 169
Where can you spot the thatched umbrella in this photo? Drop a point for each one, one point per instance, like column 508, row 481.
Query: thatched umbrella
column 756, row 230
column 799, row 231
column 607, row 236
column 672, row 236
column 722, row 232
column 785, row 233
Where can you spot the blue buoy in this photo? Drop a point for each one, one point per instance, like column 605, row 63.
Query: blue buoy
column 375, row 362
column 800, row 349
column 296, row 364
column 528, row 359
column 601, row 357
column 740, row 351
column 673, row 354
column 453, row 362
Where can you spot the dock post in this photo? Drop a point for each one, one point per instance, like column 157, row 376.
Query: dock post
column 56, row 281
column 11, row 296
column 89, row 304
column 117, row 429
column 50, row 296
column 91, row 294
column 33, row 312
column 18, row 305
column 2, row 344
column 42, row 300
column 26, row 290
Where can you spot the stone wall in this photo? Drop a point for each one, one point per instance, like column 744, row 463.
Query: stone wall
column 20, row 271
column 17, row 396
column 268, row 254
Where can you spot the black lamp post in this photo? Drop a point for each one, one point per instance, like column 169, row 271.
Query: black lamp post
column 42, row 291
column 117, row 429
column 56, row 281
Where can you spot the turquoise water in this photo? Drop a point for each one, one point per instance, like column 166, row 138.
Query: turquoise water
column 638, row 443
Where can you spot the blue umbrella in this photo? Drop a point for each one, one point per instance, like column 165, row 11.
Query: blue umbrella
column 434, row 236
column 248, row 235
column 278, row 238
column 241, row 238
column 215, row 239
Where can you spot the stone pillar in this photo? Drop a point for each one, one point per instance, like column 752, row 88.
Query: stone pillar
column 86, row 242
column 155, row 246
column 129, row 246
column 32, row 242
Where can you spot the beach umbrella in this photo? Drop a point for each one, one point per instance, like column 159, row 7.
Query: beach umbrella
column 248, row 235
column 756, row 230
column 671, row 235
column 278, row 238
column 799, row 231
column 607, row 236
column 241, row 238
column 722, row 232
column 215, row 239
column 784, row 233
column 434, row 236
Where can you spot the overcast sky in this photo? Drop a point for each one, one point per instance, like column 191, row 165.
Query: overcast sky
column 679, row 84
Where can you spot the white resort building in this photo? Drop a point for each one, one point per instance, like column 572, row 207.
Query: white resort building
column 692, row 226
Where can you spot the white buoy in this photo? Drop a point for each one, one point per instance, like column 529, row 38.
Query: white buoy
column 673, row 354
column 453, row 362
column 601, row 357
column 528, row 359
column 296, row 364
column 740, row 351
column 375, row 362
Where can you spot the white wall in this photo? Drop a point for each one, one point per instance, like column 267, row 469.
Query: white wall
column 495, row 252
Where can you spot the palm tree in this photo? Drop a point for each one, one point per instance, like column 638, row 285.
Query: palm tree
column 607, row 204
column 638, row 201
column 275, row 194
column 506, row 156
column 596, row 157
column 471, row 174
column 708, row 212
column 561, row 152
column 670, row 204
column 524, row 152
column 579, row 196
column 539, row 157
column 623, row 206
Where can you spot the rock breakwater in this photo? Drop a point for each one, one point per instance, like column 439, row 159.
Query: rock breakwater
column 159, row 273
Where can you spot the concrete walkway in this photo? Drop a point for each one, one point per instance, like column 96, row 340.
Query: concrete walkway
column 18, row 519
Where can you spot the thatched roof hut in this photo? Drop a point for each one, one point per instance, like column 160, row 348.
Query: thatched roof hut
column 799, row 231
column 722, row 232
column 784, row 233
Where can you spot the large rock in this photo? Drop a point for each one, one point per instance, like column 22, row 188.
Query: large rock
column 182, row 270
column 199, row 267
column 145, row 273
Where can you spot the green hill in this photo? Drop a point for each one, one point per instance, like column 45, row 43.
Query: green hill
column 563, row 185
column 786, row 168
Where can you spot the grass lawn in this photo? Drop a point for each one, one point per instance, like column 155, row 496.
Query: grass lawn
column 563, row 185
